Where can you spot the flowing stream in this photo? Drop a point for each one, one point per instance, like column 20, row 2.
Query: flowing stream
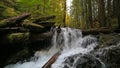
column 70, row 43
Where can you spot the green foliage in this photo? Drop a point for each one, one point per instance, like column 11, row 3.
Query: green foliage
column 7, row 9
column 83, row 13
column 9, row 12
column 76, row 13
column 39, row 8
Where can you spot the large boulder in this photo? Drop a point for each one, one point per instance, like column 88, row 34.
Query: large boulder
column 82, row 61
column 110, row 56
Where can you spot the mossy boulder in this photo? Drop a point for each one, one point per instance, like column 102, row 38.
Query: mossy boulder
column 18, row 37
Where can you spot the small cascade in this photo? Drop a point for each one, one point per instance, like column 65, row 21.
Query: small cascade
column 74, row 48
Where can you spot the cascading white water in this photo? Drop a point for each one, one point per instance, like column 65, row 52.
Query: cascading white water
column 69, row 42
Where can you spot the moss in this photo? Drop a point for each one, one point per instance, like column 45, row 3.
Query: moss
column 3, row 23
column 33, row 27
column 28, row 23
column 18, row 37
column 9, row 12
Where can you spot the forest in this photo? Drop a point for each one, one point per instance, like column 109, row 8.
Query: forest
column 27, row 26
column 82, row 14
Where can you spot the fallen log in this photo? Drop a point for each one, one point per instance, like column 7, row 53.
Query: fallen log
column 44, row 18
column 33, row 27
column 99, row 31
column 46, row 23
column 11, row 30
column 51, row 60
column 14, row 21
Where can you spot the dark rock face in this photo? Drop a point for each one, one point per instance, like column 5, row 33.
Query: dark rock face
column 82, row 61
column 88, row 40
column 110, row 56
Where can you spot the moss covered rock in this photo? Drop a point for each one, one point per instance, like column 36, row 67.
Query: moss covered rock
column 18, row 37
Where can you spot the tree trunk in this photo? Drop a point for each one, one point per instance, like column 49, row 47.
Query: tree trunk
column 90, row 13
column 101, row 13
column 116, row 10
column 109, row 12
column 109, row 7
column 64, row 15
column 119, row 14
column 44, row 7
column 99, row 31
column 51, row 60
column 4, row 31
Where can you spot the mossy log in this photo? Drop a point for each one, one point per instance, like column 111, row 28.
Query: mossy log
column 14, row 21
column 46, row 23
column 32, row 27
column 35, row 28
column 44, row 18
column 51, row 60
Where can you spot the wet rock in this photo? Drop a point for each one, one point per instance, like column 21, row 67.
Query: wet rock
column 108, row 39
column 88, row 40
column 110, row 56
column 82, row 61
column 18, row 56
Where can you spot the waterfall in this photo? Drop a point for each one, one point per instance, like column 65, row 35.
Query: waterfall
column 71, row 44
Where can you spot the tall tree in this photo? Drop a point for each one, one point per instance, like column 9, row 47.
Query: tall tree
column 116, row 10
column 109, row 12
column 64, row 15
column 119, row 14
column 90, row 20
column 115, row 7
column 77, row 13
column 101, row 13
